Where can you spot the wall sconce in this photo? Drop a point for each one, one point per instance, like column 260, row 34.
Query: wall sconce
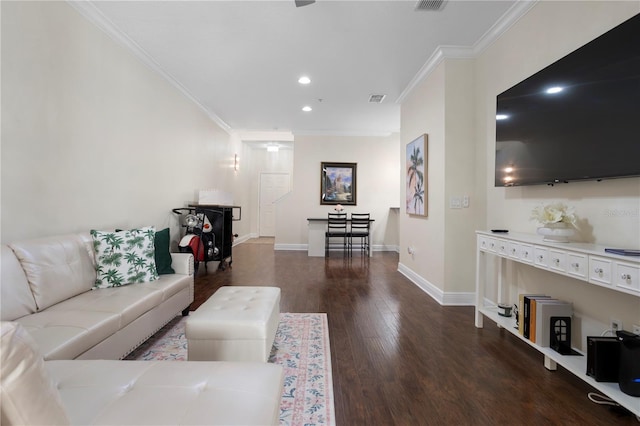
column 235, row 162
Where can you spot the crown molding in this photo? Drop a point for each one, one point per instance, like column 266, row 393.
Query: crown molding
column 510, row 17
column 90, row 12
column 501, row 26
column 439, row 55
column 339, row 133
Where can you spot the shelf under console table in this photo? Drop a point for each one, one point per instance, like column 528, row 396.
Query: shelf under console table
column 585, row 262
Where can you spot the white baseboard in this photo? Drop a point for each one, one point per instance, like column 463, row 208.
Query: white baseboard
column 242, row 238
column 445, row 299
column 387, row 247
column 294, row 247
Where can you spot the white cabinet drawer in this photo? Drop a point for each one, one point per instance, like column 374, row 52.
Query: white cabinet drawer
column 491, row 244
column 514, row 250
column 599, row 270
column 526, row 253
column 627, row 276
column 502, row 247
column 540, row 257
column 557, row 260
column 483, row 243
column 577, row 265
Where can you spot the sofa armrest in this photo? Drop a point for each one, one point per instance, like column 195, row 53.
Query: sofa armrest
column 182, row 263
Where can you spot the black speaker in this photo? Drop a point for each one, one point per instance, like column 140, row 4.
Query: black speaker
column 603, row 358
column 629, row 377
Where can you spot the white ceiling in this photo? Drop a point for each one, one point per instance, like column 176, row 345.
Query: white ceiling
column 240, row 60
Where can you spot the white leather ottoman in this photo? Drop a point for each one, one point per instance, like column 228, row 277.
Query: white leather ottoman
column 235, row 324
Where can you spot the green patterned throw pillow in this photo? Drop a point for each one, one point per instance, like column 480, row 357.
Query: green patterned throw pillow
column 124, row 257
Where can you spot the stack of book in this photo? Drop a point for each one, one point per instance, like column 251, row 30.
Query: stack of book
column 534, row 316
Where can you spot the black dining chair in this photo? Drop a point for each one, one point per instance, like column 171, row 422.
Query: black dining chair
column 336, row 228
column 360, row 228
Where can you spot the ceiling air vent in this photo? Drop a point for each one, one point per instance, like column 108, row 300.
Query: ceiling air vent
column 376, row 99
column 431, row 5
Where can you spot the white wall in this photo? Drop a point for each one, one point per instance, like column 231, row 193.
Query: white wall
column 377, row 186
column 92, row 138
column 459, row 178
column 442, row 106
column 424, row 112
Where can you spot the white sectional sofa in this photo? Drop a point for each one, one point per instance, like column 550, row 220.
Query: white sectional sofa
column 62, row 341
column 47, row 287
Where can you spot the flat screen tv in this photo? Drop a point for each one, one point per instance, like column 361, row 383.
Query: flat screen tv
column 577, row 119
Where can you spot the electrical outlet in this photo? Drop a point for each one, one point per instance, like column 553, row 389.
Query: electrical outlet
column 616, row 325
column 636, row 329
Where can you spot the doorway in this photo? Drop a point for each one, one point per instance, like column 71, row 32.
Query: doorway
column 273, row 186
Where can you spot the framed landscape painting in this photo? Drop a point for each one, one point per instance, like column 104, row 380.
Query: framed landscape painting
column 338, row 183
column 416, row 176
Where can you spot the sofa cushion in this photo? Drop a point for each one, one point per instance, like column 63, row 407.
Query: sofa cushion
column 67, row 334
column 124, row 257
column 162, row 254
column 127, row 302
column 57, row 268
column 170, row 393
column 28, row 394
column 16, row 299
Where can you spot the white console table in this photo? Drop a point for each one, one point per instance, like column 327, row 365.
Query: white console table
column 585, row 262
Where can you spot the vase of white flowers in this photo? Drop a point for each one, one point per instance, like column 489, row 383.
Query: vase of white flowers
column 557, row 221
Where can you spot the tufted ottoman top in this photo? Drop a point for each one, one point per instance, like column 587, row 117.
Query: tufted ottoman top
column 235, row 313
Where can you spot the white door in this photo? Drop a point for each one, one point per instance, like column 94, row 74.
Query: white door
column 272, row 187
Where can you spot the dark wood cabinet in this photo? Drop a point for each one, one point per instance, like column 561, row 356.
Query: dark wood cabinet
column 219, row 240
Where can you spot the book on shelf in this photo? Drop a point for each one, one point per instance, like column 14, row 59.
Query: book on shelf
column 532, row 318
column 524, row 304
column 529, row 314
column 545, row 309
column 520, row 318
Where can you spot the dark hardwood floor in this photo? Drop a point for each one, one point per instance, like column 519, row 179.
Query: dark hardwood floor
column 399, row 358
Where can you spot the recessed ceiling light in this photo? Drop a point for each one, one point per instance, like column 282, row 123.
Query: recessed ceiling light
column 304, row 80
column 501, row 116
column 306, row 108
column 552, row 90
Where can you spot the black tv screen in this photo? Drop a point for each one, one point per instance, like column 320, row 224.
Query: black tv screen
column 577, row 119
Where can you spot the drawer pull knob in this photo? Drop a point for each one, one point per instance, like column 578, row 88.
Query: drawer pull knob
column 625, row 277
column 575, row 265
column 556, row 260
column 526, row 254
column 598, row 270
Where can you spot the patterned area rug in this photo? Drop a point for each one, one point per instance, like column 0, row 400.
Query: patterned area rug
column 301, row 346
